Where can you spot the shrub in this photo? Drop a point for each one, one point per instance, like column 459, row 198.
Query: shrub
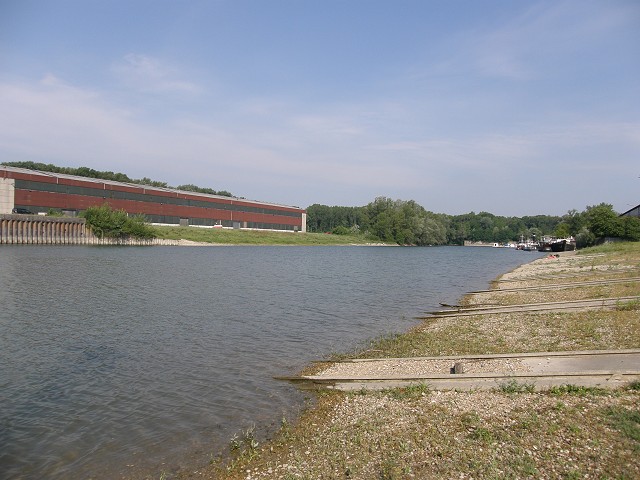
column 107, row 222
column 340, row 230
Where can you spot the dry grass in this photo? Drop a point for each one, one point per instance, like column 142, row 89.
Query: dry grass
column 560, row 294
column 566, row 433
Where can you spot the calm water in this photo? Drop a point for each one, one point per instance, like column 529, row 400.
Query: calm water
column 137, row 360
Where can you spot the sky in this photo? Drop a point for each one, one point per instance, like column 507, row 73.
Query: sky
column 511, row 107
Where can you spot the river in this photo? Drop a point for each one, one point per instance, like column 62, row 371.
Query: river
column 137, row 360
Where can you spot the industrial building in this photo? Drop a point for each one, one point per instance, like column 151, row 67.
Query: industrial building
column 36, row 192
column 634, row 212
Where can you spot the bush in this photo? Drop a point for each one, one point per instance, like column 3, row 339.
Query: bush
column 341, row 230
column 107, row 222
column 53, row 212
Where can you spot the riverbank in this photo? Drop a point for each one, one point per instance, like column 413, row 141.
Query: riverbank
column 511, row 431
column 194, row 236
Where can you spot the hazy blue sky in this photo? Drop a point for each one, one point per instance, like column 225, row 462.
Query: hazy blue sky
column 512, row 107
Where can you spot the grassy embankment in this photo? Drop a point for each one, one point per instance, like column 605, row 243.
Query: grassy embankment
column 512, row 432
column 250, row 237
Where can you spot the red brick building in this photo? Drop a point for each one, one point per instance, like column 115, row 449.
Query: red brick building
column 30, row 191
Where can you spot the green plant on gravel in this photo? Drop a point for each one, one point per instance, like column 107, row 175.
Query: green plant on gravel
column 628, row 305
column 470, row 419
column 391, row 470
column 574, row 475
column 634, row 385
column 577, row 390
column 234, row 444
column 513, row 386
column 248, row 437
column 482, row 434
column 411, row 392
column 529, row 422
column 624, row 420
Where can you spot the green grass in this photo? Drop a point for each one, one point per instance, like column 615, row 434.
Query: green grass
column 250, row 237
column 626, row 306
column 625, row 421
column 411, row 392
column 578, row 390
column 590, row 330
column 625, row 248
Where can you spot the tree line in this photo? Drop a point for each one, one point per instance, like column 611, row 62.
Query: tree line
column 113, row 176
column 408, row 223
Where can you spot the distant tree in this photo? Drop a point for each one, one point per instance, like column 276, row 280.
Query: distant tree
column 193, row 188
column 407, row 222
column 562, row 230
column 574, row 220
column 323, row 218
column 602, row 221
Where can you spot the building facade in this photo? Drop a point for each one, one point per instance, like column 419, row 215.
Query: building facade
column 36, row 192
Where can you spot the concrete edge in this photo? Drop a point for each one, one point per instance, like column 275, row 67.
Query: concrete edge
column 567, row 353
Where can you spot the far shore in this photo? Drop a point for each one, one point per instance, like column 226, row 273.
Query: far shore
column 186, row 236
column 190, row 243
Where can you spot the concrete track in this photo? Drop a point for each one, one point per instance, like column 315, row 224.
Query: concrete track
column 601, row 368
column 589, row 304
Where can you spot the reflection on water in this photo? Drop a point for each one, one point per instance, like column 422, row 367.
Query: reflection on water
column 114, row 360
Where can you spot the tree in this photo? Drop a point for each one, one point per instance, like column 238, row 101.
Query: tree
column 562, row 230
column 602, row 221
column 631, row 228
column 574, row 220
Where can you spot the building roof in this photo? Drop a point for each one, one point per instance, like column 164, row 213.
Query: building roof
column 137, row 185
column 633, row 212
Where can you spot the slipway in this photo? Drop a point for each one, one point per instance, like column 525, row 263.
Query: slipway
column 539, row 370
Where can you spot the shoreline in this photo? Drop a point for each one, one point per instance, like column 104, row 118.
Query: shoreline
column 328, row 440
column 191, row 243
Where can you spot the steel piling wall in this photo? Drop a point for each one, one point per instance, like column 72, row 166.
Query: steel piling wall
column 42, row 230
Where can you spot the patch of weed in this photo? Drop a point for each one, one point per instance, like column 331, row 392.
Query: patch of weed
column 628, row 305
column 470, row 419
column 625, row 421
column 577, row 390
column 513, row 386
column 482, row 434
column 411, row 392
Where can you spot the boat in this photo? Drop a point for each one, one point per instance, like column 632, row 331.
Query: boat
column 552, row 244
column 528, row 245
column 563, row 245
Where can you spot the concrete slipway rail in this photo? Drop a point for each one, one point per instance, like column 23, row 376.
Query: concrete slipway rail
column 588, row 304
column 601, row 368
